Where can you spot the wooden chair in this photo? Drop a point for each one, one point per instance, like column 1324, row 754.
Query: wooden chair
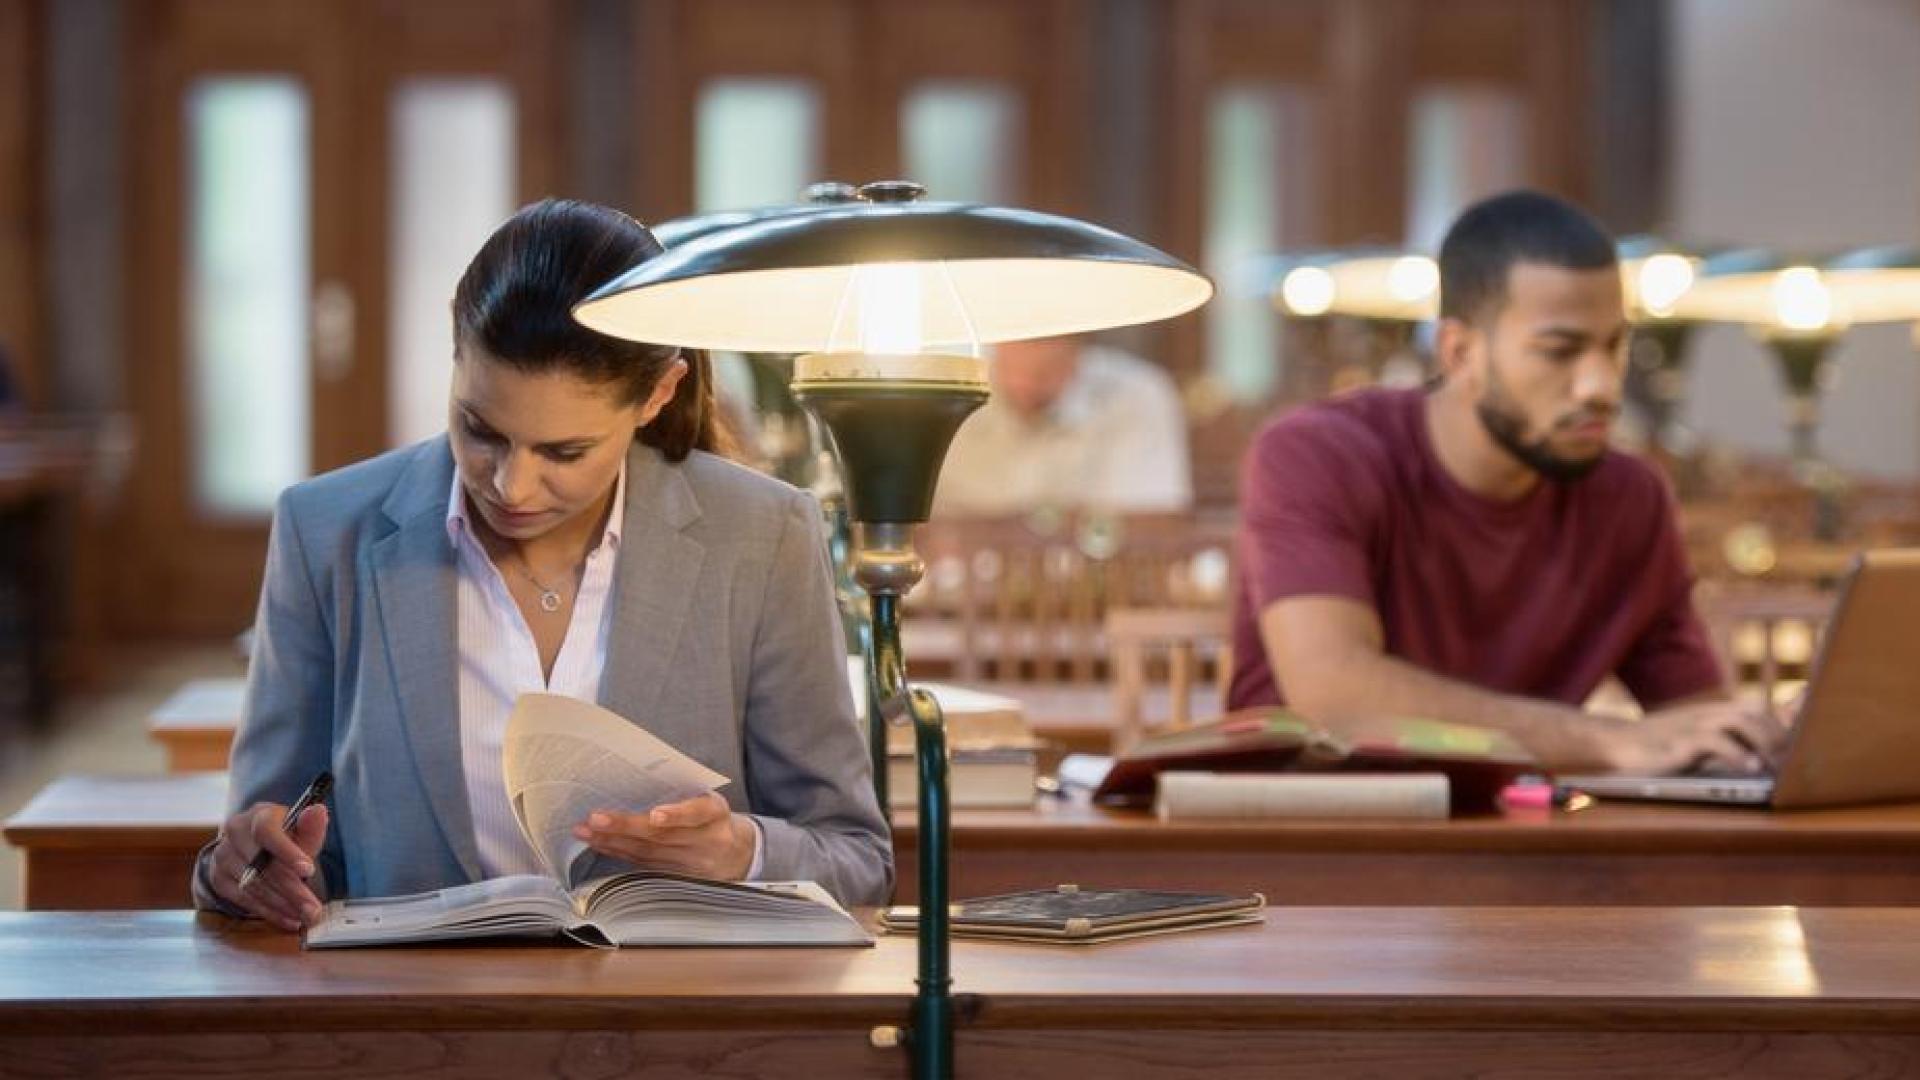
column 1771, row 631
column 1188, row 649
column 1025, row 600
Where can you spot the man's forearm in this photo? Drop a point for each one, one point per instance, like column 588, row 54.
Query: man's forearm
column 1369, row 683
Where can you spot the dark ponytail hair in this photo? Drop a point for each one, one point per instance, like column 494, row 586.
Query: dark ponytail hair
column 515, row 305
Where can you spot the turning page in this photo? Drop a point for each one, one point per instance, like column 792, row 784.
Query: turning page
column 565, row 758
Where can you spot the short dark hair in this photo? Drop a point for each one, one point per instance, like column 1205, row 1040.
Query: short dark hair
column 1490, row 236
column 515, row 303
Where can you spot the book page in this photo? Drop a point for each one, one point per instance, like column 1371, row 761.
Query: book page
column 520, row 903
column 565, row 758
column 659, row 908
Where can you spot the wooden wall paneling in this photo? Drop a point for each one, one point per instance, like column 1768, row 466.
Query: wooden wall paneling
column 1218, row 41
column 191, row 574
column 1539, row 51
column 1187, row 31
column 1472, row 40
column 516, row 41
column 1565, row 117
column 22, row 155
column 662, row 114
column 1366, row 120
column 1065, row 112
column 1041, row 49
column 683, row 43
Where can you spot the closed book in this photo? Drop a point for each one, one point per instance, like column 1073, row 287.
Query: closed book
column 1187, row 796
column 991, row 779
column 1072, row 915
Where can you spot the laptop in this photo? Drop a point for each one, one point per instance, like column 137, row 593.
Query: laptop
column 1857, row 738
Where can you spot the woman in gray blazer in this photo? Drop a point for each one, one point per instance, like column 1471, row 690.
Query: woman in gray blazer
column 576, row 530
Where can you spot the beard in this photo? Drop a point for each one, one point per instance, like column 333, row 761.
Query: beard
column 1508, row 427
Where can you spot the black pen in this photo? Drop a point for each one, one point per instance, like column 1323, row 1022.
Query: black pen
column 315, row 792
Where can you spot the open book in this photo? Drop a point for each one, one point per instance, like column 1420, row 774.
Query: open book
column 1477, row 762
column 564, row 759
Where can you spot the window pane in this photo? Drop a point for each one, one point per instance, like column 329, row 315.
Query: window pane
column 1469, row 142
column 1262, row 198
column 757, row 142
column 453, row 182
column 249, row 214
column 963, row 140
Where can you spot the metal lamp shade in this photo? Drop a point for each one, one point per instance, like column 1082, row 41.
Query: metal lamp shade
column 986, row 274
column 1866, row 286
column 1369, row 283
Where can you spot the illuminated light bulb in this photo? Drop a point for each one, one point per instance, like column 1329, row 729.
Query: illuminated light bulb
column 1663, row 280
column 1412, row 278
column 1307, row 290
column 1801, row 300
column 888, row 315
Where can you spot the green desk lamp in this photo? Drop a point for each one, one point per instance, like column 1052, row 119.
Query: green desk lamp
column 888, row 301
column 1799, row 307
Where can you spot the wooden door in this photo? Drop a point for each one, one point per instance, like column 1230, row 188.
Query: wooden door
column 266, row 163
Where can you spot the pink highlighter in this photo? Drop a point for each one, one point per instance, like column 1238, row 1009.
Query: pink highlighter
column 1544, row 797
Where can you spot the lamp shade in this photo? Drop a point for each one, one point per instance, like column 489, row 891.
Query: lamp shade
column 1371, row 283
column 974, row 274
column 1793, row 294
column 682, row 231
column 1393, row 284
column 685, row 230
column 1877, row 284
column 1655, row 276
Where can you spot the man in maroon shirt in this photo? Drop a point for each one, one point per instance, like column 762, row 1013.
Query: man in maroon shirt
column 1474, row 551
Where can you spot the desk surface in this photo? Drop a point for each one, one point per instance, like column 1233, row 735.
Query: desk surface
column 1077, row 826
column 207, row 711
column 1405, row 967
column 84, row 811
column 1752, row 992
column 212, row 703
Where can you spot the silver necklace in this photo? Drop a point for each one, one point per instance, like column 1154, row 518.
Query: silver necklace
column 549, row 598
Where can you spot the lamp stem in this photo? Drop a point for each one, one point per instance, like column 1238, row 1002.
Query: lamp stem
column 930, row 1035
column 1802, row 360
column 855, row 617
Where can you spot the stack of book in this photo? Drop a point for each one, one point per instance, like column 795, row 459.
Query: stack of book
column 991, row 763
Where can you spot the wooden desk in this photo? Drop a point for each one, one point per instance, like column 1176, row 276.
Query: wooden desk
column 105, row 843
column 1615, row 853
column 110, row 843
column 1756, row 992
column 196, row 723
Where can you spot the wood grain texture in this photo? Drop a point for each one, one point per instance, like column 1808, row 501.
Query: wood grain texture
column 122, row 843
column 1162, row 1054
column 1315, row 992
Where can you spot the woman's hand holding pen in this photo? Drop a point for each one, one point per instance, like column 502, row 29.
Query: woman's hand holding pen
column 701, row 836
column 279, row 893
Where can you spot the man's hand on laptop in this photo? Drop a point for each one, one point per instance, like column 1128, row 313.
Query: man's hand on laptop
column 1717, row 737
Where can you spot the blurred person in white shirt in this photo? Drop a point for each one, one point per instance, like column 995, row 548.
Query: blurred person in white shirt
column 1070, row 425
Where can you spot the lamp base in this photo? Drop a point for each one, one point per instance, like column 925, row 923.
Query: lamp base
column 890, row 419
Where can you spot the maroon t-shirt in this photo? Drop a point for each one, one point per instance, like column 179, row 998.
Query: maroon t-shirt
column 1542, row 597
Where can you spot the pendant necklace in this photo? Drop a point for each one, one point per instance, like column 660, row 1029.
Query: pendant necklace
column 549, row 598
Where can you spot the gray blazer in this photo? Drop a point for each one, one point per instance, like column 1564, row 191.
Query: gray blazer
column 725, row 642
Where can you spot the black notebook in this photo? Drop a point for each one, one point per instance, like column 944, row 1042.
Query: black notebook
column 1079, row 916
